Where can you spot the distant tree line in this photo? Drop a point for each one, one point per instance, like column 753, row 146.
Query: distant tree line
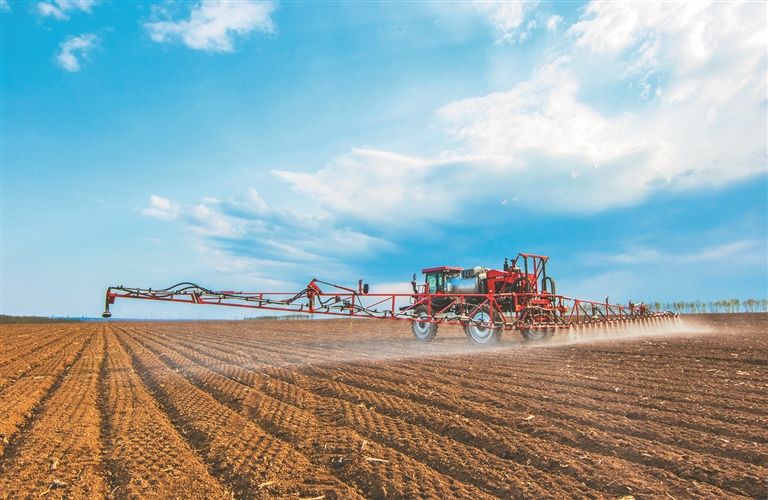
column 6, row 319
column 280, row 317
column 720, row 306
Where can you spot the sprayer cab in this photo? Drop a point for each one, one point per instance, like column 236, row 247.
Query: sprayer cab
column 526, row 274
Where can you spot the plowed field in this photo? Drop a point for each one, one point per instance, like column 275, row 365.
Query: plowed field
column 358, row 409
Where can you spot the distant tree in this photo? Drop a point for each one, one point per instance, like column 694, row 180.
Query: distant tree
column 6, row 319
column 736, row 304
column 751, row 305
column 765, row 305
column 657, row 306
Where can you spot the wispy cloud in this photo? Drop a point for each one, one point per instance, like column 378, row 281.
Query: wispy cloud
column 59, row 9
column 213, row 26
column 507, row 17
column 72, row 47
column 383, row 188
column 553, row 22
column 247, row 230
column 646, row 256
column 4, row 6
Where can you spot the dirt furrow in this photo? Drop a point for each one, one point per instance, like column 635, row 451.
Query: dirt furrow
column 498, row 470
column 603, row 384
column 595, row 432
column 251, row 462
column 562, row 404
column 59, row 455
column 735, row 389
column 393, row 426
column 144, row 455
column 351, row 455
column 33, row 356
column 733, row 446
column 561, row 392
column 18, row 344
column 19, row 398
column 637, row 458
column 555, row 448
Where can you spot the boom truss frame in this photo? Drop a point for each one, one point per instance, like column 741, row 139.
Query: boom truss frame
column 528, row 311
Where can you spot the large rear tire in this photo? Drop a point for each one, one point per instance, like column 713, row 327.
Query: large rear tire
column 423, row 331
column 477, row 331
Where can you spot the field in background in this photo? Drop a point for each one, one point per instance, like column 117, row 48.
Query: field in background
column 357, row 409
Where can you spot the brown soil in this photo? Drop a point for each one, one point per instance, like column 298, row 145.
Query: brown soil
column 358, row 409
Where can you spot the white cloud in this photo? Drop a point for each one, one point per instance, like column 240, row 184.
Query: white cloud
column 506, row 17
column 553, row 22
column 705, row 127
column 71, row 47
column 161, row 208
column 213, row 26
column 4, row 6
column 378, row 187
column 207, row 221
column 59, row 8
column 698, row 120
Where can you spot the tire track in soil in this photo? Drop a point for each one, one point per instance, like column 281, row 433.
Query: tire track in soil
column 556, row 424
column 497, row 473
column 19, row 399
column 31, row 357
column 252, row 463
column 144, row 455
column 309, row 432
column 58, row 455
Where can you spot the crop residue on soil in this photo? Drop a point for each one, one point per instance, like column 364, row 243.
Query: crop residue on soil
column 340, row 409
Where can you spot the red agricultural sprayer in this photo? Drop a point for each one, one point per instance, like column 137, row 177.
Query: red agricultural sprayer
column 521, row 296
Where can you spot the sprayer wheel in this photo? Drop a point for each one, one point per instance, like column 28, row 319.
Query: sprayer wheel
column 478, row 333
column 537, row 334
column 424, row 331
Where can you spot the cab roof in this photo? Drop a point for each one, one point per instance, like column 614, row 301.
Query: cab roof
column 441, row 268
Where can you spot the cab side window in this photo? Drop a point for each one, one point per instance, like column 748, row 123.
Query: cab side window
column 432, row 283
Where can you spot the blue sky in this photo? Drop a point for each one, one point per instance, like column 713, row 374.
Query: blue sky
column 257, row 145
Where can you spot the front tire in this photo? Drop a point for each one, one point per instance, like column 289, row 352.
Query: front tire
column 423, row 331
column 477, row 331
